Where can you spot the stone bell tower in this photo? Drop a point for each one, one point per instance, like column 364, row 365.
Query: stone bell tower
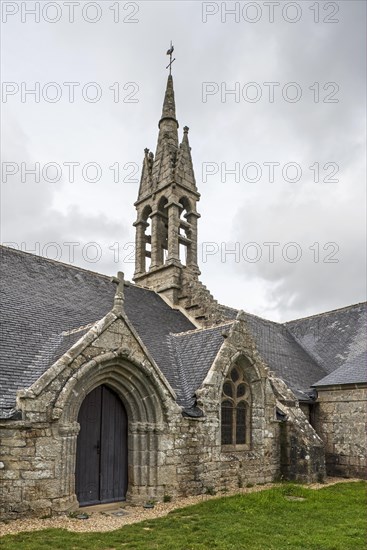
column 166, row 225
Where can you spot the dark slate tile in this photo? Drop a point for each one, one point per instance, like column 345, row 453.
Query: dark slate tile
column 336, row 340
column 42, row 299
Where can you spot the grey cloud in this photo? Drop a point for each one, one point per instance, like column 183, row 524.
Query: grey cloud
column 304, row 132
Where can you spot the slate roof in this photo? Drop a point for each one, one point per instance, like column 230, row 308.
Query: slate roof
column 350, row 373
column 42, row 300
column 321, row 350
column 46, row 306
column 335, row 337
column 193, row 353
column 284, row 355
column 337, row 342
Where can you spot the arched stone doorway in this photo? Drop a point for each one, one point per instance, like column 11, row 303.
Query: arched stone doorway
column 102, row 457
column 150, row 406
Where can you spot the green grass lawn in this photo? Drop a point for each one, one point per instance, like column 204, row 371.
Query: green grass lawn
column 332, row 518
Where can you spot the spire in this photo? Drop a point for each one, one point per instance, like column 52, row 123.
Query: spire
column 169, row 107
column 158, row 169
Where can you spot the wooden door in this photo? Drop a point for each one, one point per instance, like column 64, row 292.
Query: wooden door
column 101, row 459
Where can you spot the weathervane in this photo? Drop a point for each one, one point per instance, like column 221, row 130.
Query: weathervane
column 170, row 52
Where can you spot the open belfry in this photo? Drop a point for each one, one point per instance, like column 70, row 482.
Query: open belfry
column 117, row 391
column 167, row 221
column 167, row 197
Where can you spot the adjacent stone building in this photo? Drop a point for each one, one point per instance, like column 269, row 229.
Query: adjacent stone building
column 112, row 390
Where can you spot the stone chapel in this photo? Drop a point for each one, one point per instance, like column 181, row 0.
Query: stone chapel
column 113, row 391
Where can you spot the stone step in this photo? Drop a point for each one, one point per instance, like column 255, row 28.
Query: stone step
column 197, row 300
column 193, row 306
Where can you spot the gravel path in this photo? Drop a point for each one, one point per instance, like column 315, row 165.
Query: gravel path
column 108, row 521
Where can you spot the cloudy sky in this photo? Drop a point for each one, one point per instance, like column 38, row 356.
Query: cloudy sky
column 274, row 95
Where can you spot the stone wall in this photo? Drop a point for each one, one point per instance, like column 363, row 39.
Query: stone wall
column 340, row 420
column 34, row 473
column 302, row 454
column 168, row 453
column 183, row 457
column 204, row 465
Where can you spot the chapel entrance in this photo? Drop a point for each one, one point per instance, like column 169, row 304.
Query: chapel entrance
column 101, row 458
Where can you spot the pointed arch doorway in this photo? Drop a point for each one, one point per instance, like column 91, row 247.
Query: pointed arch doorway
column 101, row 458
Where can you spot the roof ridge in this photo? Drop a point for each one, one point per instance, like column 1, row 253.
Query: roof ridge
column 75, row 267
column 54, row 262
column 263, row 318
column 201, row 329
column 229, row 307
column 325, row 312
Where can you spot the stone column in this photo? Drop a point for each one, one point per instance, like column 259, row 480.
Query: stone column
column 140, row 247
column 156, row 248
column 65, row 473
column 173, row 210
column 192, row 252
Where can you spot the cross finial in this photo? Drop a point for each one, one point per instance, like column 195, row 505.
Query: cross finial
column 119, row 295
column 170, row 52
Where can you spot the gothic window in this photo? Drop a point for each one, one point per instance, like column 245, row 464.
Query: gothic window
column 236, row 410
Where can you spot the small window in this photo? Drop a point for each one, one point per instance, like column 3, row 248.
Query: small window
column 227, row 422
column 235, row 411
